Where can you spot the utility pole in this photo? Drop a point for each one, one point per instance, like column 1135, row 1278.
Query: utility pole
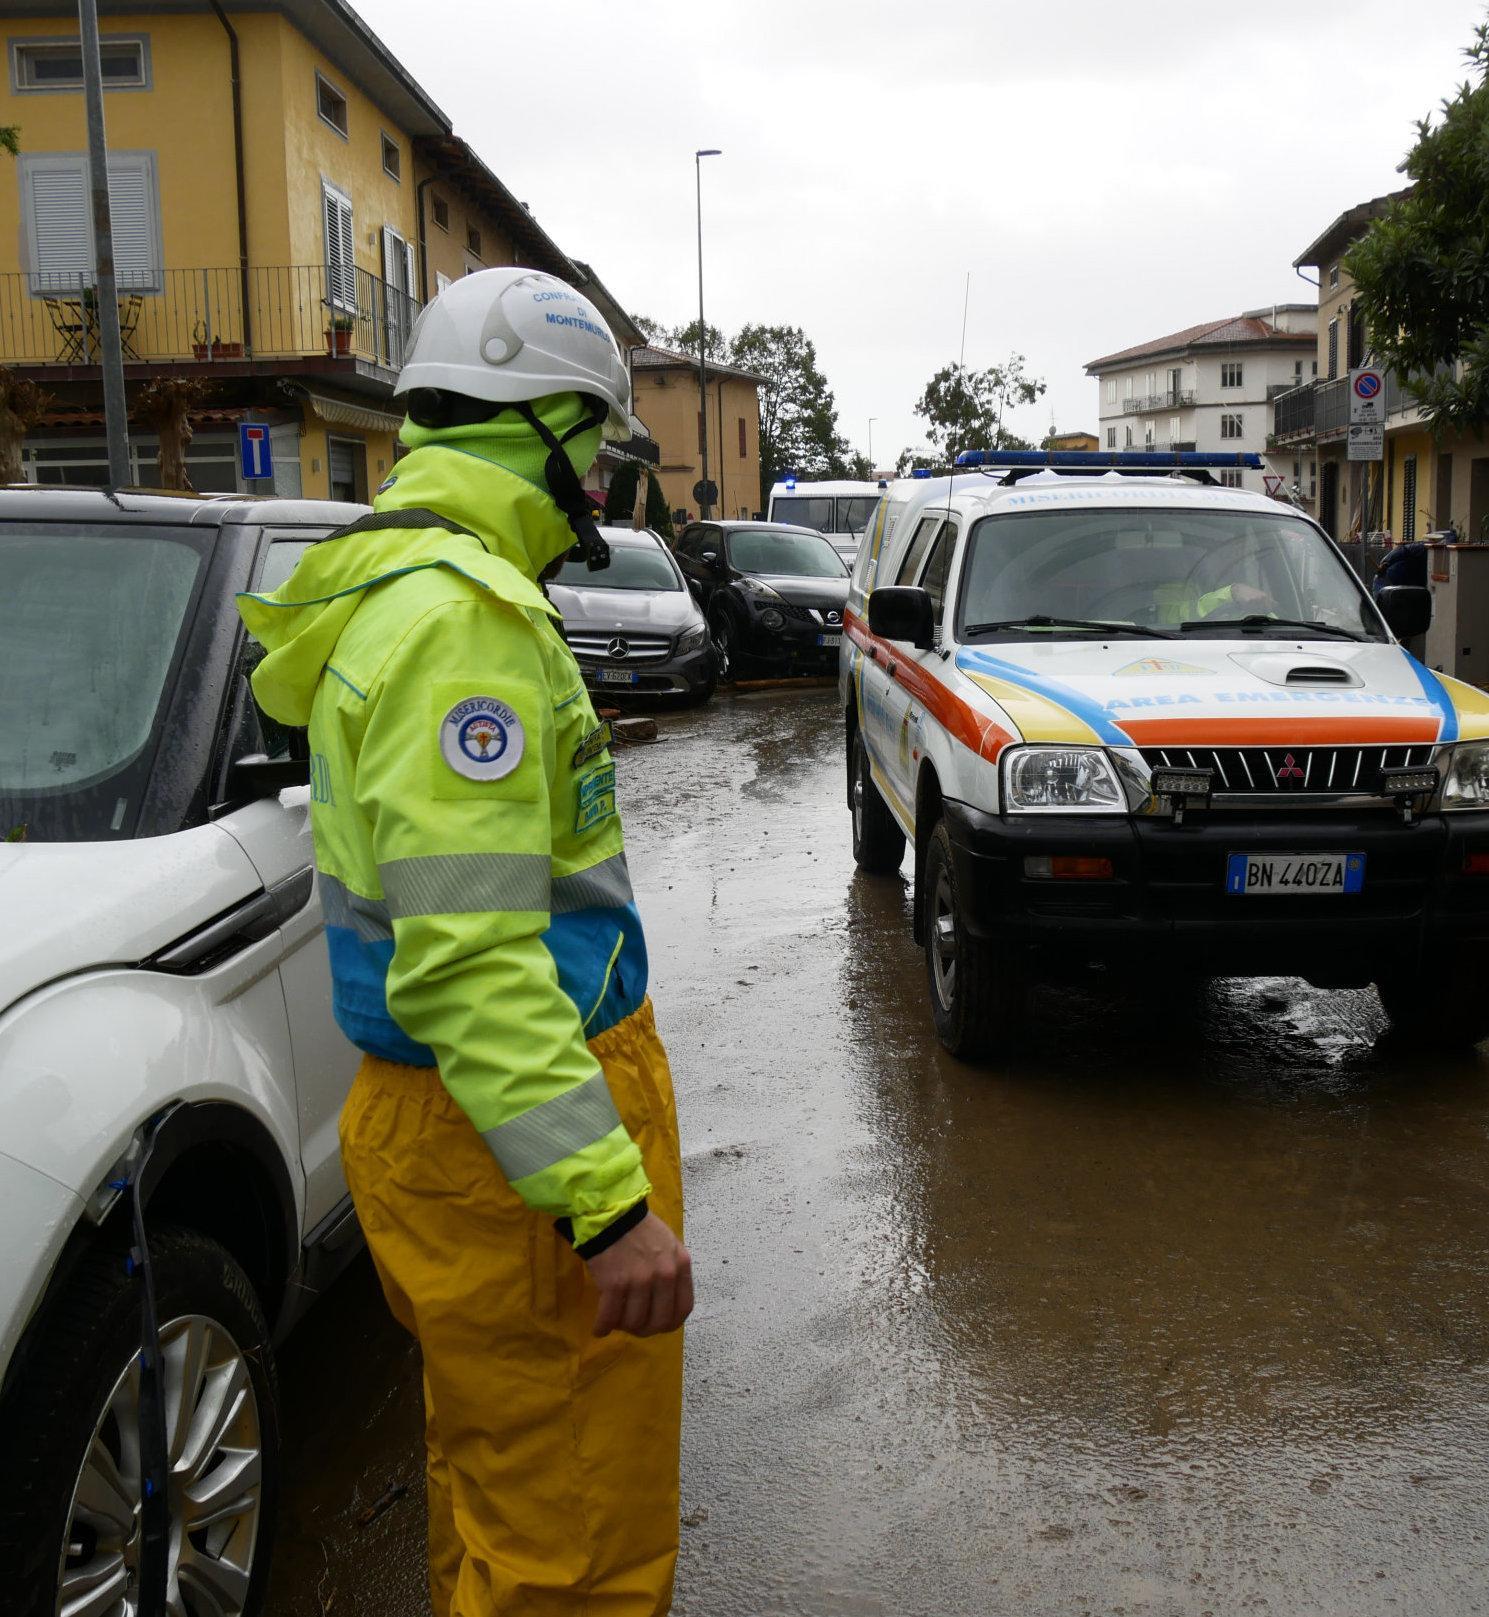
column 703, row 504
column 111, row 350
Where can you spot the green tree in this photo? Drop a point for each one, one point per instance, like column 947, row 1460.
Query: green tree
column 620, row 500
column 10, row 139
column 1422, row 270
column 685, row 340
column 653, row 330
column 964, row 409
column 798, row 416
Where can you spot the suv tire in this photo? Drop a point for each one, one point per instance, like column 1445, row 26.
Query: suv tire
column 878, row 842
column 726, row 643
column 1444, row 1007
column 978, row 993
column 64, row 1419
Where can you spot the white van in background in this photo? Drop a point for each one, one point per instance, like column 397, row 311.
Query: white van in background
column 840, row 511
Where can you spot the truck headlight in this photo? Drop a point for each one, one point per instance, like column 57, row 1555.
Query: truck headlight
column 691, row 639
column 1061, row 780
column 1467, row 785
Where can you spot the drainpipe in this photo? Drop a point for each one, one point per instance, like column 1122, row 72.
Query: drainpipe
column 236, row 65
column 424, row 185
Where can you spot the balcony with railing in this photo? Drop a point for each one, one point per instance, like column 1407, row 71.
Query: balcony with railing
column 1175, row 399
column 242, row 319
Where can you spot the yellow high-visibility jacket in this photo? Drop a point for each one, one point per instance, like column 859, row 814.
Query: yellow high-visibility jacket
column 478, row 908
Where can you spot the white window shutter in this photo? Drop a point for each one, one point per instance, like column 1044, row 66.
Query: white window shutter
column 132, row 215
column 348, row 256
column 341, row 260
column 409, row 281
column 391, row 244
column 61, row 230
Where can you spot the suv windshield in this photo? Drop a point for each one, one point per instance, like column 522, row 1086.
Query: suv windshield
column 632, row 567
column 778, row 551
column 1169, row 569
column 90, row 624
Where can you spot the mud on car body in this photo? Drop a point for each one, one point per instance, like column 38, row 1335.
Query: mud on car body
column 1126, row 719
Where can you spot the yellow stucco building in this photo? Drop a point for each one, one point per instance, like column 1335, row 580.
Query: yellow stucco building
column 667, row 395
column 285, row 198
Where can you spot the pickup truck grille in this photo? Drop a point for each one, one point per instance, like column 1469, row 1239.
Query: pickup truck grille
column 592, row 646
column 1287, row 771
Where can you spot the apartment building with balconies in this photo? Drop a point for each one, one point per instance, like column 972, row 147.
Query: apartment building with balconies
column 1424, row 482
column 285, row 198
column 1210, row 387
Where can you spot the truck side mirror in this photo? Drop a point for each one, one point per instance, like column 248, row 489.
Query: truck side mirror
column 903, row 612
column 1407, row 608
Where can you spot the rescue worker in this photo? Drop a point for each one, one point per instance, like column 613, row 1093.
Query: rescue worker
column 510, row 1140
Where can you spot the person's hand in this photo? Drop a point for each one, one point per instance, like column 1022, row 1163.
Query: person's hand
column 645, row 1281
column 1249, row 595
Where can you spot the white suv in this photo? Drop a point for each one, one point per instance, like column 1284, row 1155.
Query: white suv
column 166, row 1032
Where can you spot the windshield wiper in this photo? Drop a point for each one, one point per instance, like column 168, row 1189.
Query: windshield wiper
column 1042, row 621
column 1259, row 620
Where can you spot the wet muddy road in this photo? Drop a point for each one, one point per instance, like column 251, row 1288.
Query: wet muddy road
column 1184, row 1312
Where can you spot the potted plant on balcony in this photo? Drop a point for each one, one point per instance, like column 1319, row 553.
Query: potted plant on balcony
column 339, row 333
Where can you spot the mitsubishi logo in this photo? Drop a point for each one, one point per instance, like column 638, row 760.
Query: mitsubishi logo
column 1289, row 774
column 619, row 648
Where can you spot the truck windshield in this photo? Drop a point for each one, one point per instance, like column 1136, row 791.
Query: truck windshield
column 804, row 511
column 90, row 623
column 1175, row 569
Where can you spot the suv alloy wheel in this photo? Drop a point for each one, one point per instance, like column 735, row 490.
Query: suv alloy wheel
column 71, row 1431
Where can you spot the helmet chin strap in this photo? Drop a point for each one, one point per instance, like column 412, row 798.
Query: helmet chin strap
column 563, row 481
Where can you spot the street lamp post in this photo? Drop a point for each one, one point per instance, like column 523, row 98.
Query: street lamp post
column 872, row 420
column 703, row 504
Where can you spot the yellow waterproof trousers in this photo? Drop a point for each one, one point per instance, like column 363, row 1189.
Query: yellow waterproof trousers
column 552, row 1457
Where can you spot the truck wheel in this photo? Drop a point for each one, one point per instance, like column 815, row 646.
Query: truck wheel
column 878, row 842
column 978, row 994
column 1443, row 1007
column 69, row 1526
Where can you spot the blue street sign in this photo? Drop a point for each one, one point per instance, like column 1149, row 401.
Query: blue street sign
column 253, row 449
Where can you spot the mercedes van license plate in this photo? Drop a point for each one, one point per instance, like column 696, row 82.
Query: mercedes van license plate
column 1249, row 873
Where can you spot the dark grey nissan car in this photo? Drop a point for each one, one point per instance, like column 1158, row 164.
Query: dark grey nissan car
column 634, row 626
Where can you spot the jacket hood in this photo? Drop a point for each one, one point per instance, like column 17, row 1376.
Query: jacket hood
column 515, row 531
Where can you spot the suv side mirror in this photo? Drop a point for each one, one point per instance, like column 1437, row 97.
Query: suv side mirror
column 258, row 775
column 1407, row 608
column 903, row 612
column 710, row 558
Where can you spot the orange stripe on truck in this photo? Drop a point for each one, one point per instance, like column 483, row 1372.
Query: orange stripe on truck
column 976, row 731
column 1279, row 732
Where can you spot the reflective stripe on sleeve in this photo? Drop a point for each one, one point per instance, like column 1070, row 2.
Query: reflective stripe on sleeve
column 555, row 1130
column 465, row 883
column 367, row 917
column 604, row 886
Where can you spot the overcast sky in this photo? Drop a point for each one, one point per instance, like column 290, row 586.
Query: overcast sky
column 1107, row 173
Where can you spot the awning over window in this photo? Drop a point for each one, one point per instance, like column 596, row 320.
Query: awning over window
column 341, row 414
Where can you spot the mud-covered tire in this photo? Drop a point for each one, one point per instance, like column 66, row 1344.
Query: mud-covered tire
column 979, row 992
column 1443, row 1007
column 51, row 1416
column 878, row 842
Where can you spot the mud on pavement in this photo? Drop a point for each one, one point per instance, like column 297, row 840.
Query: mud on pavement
column 1181, row 1311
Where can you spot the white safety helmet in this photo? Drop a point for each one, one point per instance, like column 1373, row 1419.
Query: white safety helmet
column 513, row 335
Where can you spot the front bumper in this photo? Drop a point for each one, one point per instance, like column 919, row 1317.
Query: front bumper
column 797, row 644
column 1166, row 906
column 686, row 675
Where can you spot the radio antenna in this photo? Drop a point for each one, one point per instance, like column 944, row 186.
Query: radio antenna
column 961, row 376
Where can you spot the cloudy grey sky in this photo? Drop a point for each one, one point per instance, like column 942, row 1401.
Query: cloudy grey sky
column 1106, row 173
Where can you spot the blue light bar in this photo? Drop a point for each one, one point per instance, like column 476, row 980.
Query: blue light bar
column 920, row 471
column 1114, row 459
